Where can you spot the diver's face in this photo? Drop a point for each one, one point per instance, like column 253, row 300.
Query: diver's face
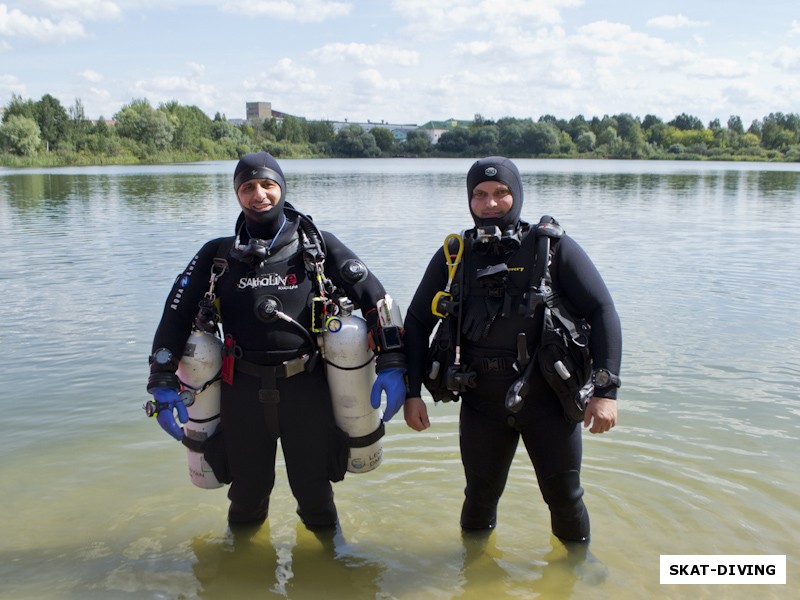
column 490, row 199
column 258, row 196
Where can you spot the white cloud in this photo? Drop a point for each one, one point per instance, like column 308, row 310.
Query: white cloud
column 188, row 88
column 289, row 10
column 287, row 76
column 795, row 28
column 787, row 58
column 91, row 76
column 431, row 18
column 366, row 54
column 15, row 23
column 473, row 48
column 9, row 84
column 604, row 38
column 674, row 22
column 724, row 68
column 84, row 10
column 373, row 80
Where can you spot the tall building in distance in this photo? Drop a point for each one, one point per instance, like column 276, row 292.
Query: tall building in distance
column 259, row 111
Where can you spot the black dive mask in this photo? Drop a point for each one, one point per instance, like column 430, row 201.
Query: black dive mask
column 256, row 251
column 490, row 241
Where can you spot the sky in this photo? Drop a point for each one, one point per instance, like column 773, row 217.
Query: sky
column 409, row 61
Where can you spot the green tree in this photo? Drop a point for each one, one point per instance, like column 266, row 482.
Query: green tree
column 52, row 120
column 417, row 142
column 541, row 138
column 686, row 122
column 20, row 107
column 608, row 137
column 735, row 124
column 320, row 132
column 565, row 143
column 454, row 141
column 20, row 135
column 150, row 128
column 586, row 141
column 485, row 140
column 777, row 132
column 383, row 138
column 79, row 124
column 654, row 129
column 190, row 125
column 576, row 126
column 293, row 130
column 512, row 141
column 353, row 142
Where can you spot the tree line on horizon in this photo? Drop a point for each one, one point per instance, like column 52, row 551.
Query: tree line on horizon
column 44, row 133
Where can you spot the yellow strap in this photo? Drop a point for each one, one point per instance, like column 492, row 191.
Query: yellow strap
column 452, row 269
column 452, row 263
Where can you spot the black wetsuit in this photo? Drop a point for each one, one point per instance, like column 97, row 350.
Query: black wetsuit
column 251, row 418
column 489, row 433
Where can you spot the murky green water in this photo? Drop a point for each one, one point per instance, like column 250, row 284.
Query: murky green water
column 701, row 260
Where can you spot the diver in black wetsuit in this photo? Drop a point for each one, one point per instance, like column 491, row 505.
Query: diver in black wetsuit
column 277, row 387
column 490, row 324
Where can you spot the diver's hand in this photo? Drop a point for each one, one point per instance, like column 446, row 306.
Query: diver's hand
column 391, row 381
column 167, row 401
column 601, row 414
column 416, row 413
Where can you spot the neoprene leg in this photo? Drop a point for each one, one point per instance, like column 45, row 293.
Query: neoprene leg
column 306, row 422
column 250, row 451
column 487, row 449
column 568, row 515
column 556, row 449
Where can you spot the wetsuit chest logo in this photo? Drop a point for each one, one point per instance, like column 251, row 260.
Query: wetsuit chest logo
column 269, row 280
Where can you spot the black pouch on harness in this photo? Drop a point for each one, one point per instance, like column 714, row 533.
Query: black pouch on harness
column 565, row 361
column 441, row 355
column 563, row 354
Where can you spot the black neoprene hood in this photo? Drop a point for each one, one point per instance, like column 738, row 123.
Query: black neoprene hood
column 259, row 165
column 496, row 168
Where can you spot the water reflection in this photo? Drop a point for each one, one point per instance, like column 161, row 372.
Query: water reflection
column 701, row 260
column 248, row 564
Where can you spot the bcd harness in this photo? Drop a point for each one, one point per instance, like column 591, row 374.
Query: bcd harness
column 326, row 304
column 562, row 354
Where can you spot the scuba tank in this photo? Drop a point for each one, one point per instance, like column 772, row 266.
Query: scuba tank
column 198, row 372
column 348, row 367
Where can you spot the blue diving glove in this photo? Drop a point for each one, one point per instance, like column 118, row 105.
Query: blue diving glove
column 393, row 382
column 167, row 401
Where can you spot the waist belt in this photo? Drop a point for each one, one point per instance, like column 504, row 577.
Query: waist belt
column 268, row 394
column 284, row 370
column 500, row 364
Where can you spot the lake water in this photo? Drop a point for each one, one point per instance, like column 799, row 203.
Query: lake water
column 701, row 258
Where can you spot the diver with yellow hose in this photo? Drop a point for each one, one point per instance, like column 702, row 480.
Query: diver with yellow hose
column 478, row 291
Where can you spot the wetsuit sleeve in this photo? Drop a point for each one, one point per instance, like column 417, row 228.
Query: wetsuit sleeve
column 576, row 277
column 364, row 294
column 420, row 321
column 181, row 307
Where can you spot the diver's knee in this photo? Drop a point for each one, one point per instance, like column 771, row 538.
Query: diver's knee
column 568, row 515
column 562, row 491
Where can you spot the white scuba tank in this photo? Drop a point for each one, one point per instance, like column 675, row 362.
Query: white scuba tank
column 201, row 362
column 350, row 372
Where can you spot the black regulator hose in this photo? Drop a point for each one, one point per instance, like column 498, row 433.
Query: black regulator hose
column 310, row 229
